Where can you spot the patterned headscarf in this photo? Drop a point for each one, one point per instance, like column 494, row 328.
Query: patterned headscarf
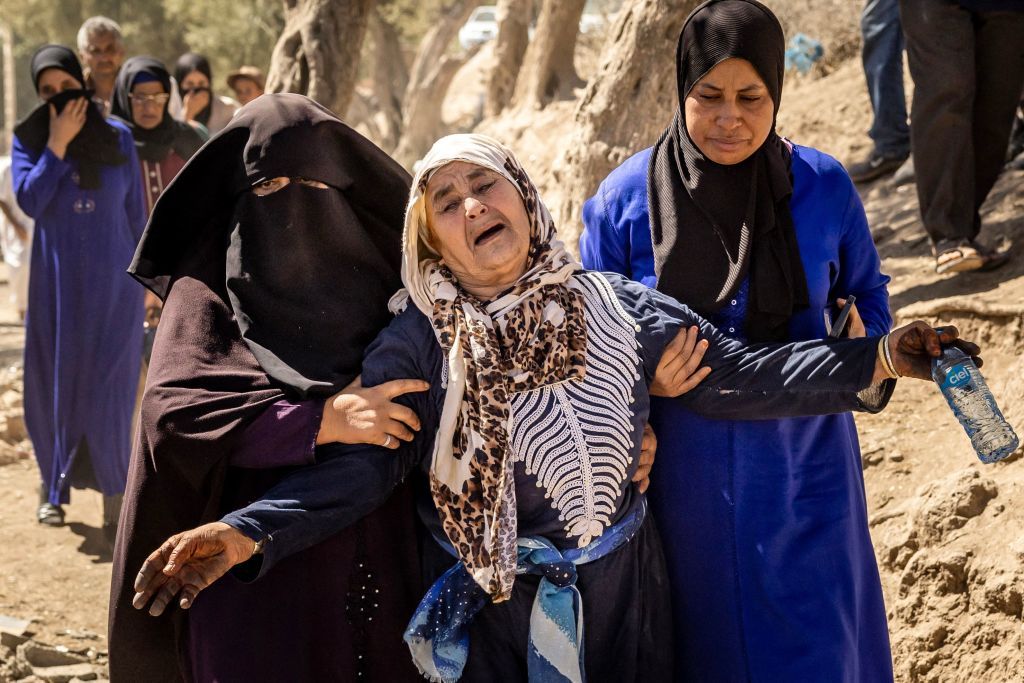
column 532, row 335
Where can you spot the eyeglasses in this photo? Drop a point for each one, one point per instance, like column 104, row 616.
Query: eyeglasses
column 159, row 99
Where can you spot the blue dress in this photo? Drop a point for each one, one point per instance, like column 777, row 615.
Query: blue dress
column 764, row 522
column 83, row 337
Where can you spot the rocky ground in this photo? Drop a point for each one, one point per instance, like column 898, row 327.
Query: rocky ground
column 948, row 530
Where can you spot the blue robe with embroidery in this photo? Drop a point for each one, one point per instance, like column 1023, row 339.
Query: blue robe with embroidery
column 764, row 522
column 83, row 337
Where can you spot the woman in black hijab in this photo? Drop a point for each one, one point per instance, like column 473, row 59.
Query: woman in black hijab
column 198, row 102
column 275, row 266
column 764, row 237
column 76, row 175
column 141, row 96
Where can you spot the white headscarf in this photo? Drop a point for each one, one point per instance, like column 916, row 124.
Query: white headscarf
column 543, row 341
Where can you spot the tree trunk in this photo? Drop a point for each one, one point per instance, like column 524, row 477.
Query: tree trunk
column 318, row 51
column 549, row 71
column 626, row 106
column 509, row 48
column 436, row 41
column 390, row 79
column 431, row 75
column 422, row 124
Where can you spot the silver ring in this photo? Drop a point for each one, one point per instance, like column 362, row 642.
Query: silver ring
column 387, row 440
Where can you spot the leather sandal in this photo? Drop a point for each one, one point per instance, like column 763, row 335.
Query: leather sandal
column 959, row 258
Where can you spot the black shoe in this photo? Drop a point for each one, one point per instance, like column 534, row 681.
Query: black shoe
column 47, row 513
column 875, row 166
column 50, row 514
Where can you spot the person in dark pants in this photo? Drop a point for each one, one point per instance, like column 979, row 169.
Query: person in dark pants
column 882, row 56
column 967, row 61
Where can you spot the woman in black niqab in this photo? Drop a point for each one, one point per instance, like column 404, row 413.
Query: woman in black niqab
column 306, row 269
column 267, row 299
column 706, row 241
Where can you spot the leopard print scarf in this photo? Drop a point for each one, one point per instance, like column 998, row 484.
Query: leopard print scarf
column 532, row 335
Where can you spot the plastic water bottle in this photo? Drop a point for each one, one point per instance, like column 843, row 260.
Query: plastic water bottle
column 971, row 401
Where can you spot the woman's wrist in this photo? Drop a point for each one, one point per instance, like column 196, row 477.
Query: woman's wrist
column 59, row 149
column 884, row 368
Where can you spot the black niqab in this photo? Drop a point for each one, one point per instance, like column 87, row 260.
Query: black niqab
column 186, row 64
column 152, row 144
column 712, row 225
column 97, row 144
column 305, row 315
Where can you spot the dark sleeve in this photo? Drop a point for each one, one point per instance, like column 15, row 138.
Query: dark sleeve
column 348, row 481
column 283, row 435
column 760, row 381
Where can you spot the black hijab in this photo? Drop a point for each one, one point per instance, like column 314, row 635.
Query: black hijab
column 187, row 63
column 308, row 271
column 713, row 224
column 152, row 144
column 97, row 144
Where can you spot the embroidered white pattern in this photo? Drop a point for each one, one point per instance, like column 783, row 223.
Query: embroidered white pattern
column 577, row 437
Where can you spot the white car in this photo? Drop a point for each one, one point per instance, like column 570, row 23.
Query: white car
column 591, row 22
column 481, row 27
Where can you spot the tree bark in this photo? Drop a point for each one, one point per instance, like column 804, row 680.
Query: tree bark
column 549, row 71
column 436, row 41
column 509, row 49
column 626, row 106
column 390, row 79
column 318, row 51
column 422, row 124
column 429, row 78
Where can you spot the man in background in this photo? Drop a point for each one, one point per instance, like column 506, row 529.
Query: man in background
column 882, row 56
column 967, row 61
column 101, row 49
column 247, row 82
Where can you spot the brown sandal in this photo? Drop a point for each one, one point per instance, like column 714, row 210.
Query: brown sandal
column 959, row 259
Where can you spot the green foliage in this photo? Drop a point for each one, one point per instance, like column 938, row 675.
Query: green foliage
column 229, row 32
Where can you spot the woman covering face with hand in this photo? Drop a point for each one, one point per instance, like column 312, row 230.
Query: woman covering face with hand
column 765, row 238
column 539, row 374
column 199, row 103
column 77, row 176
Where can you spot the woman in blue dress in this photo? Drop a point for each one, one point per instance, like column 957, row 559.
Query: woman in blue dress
column 764, row 522
column 77, row 176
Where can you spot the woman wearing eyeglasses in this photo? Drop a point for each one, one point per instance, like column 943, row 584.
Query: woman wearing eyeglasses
column 140, row 99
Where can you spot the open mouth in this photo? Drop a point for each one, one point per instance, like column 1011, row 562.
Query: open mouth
column 488, row 234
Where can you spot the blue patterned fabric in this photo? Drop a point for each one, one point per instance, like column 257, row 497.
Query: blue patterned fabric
column 438, row 633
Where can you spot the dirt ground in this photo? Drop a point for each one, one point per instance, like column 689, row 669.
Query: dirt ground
column 948, row 530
